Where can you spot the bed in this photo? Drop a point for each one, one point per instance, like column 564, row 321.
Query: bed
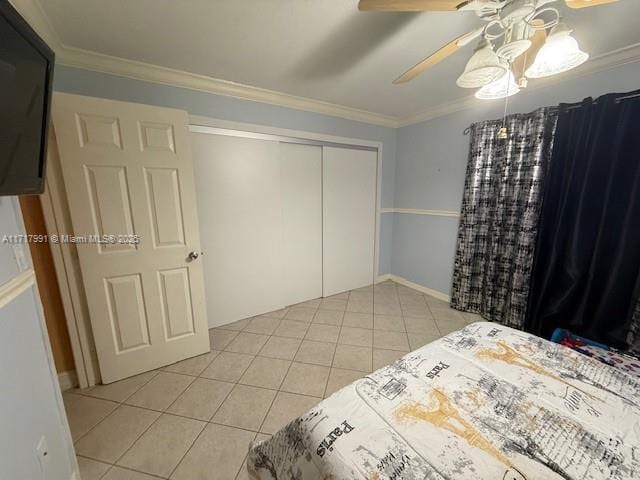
column 485, row 402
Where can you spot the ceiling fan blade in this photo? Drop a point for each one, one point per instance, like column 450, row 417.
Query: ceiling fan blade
column 525, row 60
column 587, row 3
column 436, row 57
column 410, row 5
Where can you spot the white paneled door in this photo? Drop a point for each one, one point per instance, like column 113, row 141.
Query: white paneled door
column 301, row 179
column 128, row 174
column 349, row 213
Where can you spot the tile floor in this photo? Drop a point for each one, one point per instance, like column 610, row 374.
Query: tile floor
column 194, row 420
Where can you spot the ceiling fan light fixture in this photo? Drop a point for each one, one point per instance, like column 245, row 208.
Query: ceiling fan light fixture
column 512, row 50
column 516, row 42
column 559, row 54
column 483, row 67
column 501, row 88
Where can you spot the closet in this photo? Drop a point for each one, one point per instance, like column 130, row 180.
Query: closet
column 348, row 211
column 301, row 177
column 281, row 221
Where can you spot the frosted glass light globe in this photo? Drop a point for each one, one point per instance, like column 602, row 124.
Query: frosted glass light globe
column 502, row 88
column 482, row 68
column 559, row 54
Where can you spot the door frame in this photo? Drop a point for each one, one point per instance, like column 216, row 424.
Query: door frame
column 58, row 220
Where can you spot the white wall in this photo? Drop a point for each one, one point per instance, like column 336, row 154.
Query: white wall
column 30, row 401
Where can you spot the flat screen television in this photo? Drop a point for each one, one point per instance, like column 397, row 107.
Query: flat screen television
column 26, row 73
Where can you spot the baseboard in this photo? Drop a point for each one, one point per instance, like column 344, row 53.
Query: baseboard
column 416, row 286
column 67, row 380
column 384, row 278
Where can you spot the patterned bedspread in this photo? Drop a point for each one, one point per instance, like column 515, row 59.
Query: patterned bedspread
column 486, row 402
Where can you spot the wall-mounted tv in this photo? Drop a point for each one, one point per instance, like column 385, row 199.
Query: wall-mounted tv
column 26, row 73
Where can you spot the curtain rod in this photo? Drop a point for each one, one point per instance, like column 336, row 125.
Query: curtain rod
column 626, row 97
column 467, row 130
column 617, row 100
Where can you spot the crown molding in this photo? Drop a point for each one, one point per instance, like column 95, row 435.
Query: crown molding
column 99, row 62
column 599, row 63
column 32, row 11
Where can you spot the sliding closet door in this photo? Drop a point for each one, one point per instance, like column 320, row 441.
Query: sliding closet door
column 349, row 200
column 301, row 182
column 238, row 190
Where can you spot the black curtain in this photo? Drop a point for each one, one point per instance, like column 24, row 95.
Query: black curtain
column 586, row 272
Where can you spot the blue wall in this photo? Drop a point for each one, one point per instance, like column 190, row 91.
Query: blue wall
column 423, row 164
column 95, row 84
column 431, row 160
column 10, row 222
column 29, row 396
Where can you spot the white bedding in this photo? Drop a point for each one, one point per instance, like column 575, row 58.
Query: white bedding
column 486, row 402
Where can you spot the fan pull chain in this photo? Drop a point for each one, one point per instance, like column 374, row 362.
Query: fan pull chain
column 503, row 133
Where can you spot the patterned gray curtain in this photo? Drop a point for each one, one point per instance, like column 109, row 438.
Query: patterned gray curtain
column 633, row 337
column 499, row 215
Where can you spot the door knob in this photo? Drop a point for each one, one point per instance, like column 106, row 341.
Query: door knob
column 193, row 255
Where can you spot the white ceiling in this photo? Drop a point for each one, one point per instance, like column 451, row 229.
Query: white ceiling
column 320, row 49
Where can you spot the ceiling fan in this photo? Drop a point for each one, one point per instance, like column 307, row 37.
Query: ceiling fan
column 521, row 39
